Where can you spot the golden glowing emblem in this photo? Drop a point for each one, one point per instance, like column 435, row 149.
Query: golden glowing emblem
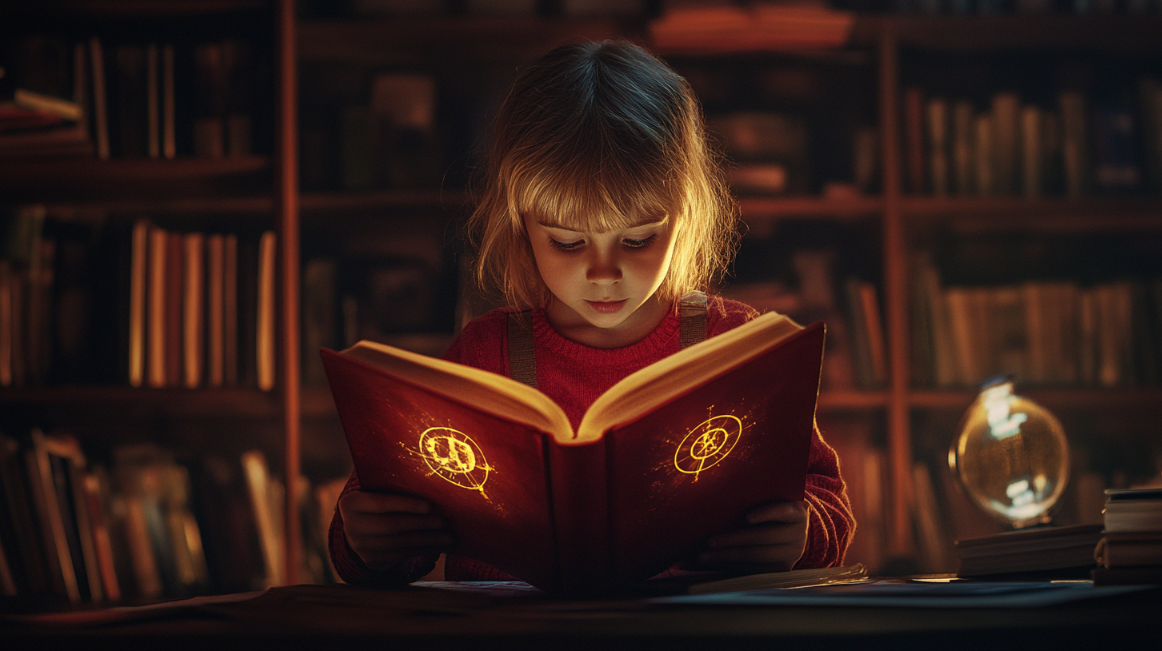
column 707, row 444
column 455, row 457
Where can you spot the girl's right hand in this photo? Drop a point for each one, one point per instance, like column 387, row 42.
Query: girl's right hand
column 384, row 530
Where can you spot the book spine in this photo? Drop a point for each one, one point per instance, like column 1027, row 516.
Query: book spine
column 581, row 514
column 193, row 321
column 264, row 342
column 100, row 98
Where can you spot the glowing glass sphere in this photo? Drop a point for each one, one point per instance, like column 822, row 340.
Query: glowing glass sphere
column 1011, row 456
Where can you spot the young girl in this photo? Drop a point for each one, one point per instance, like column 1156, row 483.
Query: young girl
column 603, row 207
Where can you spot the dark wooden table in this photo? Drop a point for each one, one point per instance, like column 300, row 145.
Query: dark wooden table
column 345, row 617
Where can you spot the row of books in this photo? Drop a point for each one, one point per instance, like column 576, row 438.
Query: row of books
column 856, row 354
column 185, row 308
column 144, row 526
column 133, row 302
column 1019, row 148
column 1050, row 333
column 128, row 100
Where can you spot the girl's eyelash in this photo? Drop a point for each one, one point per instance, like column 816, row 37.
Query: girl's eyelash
column 576, row 246
column 639, row 244
column 566, row 246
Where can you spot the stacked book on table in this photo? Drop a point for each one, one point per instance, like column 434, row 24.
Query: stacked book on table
column 1059, row 552
column 1130, row 550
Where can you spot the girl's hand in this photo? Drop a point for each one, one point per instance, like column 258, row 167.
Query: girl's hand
column 384, row 530
column 773, row 541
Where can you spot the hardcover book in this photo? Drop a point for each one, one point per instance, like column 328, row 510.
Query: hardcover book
column 674, row 453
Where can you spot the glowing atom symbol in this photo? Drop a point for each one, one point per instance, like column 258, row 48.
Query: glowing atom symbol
column 707, row 444
column 455, row 457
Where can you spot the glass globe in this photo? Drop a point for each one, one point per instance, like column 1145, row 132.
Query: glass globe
column 1011, row 456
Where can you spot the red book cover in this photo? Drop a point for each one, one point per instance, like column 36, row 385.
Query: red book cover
column 668, row 457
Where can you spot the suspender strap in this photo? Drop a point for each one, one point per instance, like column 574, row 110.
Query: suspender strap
column 522, row 364
column 692, row 310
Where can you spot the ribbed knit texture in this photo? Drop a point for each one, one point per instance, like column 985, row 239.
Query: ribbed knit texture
column 574, row 375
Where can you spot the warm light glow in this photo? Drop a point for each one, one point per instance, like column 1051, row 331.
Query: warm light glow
column 454, row 457
column 707, row 444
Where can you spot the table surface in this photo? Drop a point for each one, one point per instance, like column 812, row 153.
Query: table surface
column 472, row 617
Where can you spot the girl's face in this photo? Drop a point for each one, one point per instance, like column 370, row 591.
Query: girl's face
column 602, row 280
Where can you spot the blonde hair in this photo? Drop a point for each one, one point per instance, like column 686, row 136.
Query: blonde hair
column 598, row 137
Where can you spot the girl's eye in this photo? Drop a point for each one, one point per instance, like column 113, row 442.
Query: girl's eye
column 639, row 244
column 566, row 246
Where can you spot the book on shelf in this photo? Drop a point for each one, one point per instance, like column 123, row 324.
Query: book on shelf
column 1032, row 151
column 685, row 446
column 174, row 286
column 1115, row 143
column 963, row 149
column 265, row 324
column 914, row 135
column 193, row 317
column 1006, row 124
column 867, row 334
column 100, row 98
column 1075, row 142
column 939, row 173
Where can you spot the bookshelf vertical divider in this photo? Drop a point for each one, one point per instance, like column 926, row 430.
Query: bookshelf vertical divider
column 895, row 298
column 286, row 156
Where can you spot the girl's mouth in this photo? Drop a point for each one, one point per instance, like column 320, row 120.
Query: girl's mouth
column 607, row 307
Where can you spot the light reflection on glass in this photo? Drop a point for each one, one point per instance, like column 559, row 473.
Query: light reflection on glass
column 1012, row 457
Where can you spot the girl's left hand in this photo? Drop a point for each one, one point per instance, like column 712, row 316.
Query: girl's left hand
column 773, row 541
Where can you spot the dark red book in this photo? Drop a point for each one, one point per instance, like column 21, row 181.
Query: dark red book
column 669, row 456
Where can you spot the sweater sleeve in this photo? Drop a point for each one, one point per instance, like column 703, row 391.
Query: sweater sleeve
column 350, row 567
column 831, row 521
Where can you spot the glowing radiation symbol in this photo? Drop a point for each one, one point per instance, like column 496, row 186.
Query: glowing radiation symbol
column 707, row 444
column 455, row 457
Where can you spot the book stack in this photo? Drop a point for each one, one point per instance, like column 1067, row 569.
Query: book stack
column 1042, row 551
column 1130, row 550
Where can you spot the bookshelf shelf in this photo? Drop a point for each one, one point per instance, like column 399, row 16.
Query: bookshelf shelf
column 1132, row 34
column 852, row 400
column 775, row 208
column 91, row 179
column 1063, row 399
column 127, row 402
column 1056, row 214
column 350, row 201
column 409, row 40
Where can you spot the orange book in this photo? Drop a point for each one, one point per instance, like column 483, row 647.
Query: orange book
column 669, row 456
column 264, row 344
column 137, row 316
column 155, row 358
column 193, row 321
column 230, row 310
column 215, row 306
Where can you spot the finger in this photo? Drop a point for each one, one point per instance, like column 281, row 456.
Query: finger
column 779, row 556
column 796, row 511
column 771, row 534
column 365, row 502
column 379, row 524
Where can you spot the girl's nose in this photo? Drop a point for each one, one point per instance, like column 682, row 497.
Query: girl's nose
column 603, row 269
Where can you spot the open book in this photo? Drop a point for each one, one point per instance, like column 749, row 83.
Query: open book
column 667, row 457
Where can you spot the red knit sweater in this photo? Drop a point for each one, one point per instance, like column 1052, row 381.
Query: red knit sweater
column 574, row 375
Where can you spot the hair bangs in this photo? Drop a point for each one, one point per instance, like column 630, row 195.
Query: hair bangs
column 596, row 193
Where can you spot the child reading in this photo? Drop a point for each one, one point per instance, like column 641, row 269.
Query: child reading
column 603, row 214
